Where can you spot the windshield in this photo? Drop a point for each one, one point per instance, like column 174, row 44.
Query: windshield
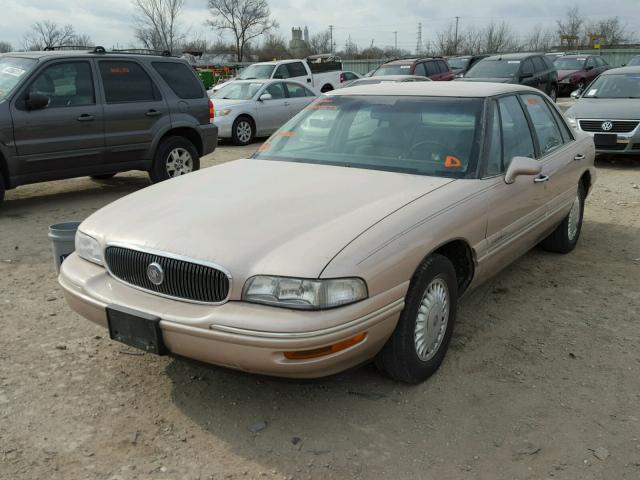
column 12, row 69
column 625, row 85
column 238, row 90
column 256, row 71
column 393, row 70
column 494, row 69
column 458, row 63
column 569, row 63
column 634, row 61
column 419, row 135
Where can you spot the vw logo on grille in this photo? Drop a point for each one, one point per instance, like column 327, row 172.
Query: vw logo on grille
column 155, row 274
column 606, row 126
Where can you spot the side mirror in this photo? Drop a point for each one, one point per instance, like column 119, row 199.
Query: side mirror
column 265, row 96
column 522, row 166
column 37, row 101
column 576, row 93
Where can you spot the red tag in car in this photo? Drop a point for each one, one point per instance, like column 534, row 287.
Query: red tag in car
column 452, row 162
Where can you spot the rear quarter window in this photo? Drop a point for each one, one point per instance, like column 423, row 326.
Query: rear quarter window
column 180, row 79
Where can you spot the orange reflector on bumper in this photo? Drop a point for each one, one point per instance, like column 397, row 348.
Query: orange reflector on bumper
column 328, row 350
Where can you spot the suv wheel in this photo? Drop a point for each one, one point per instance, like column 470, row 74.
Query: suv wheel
column 553, row 93
column 175, row 156
column 243, row 131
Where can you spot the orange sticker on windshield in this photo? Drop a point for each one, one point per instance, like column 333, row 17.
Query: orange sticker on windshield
column 284, row 134
column 264, row 146
column 532, row 101
column 452, row 162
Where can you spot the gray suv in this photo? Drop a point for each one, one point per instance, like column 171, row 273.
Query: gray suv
column 68, row 114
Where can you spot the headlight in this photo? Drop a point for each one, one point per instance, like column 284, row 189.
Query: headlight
column 572, row 122
column 304, row 294
column 222, row 113
column 88, row 248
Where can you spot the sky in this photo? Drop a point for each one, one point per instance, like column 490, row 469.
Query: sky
column 109, row 22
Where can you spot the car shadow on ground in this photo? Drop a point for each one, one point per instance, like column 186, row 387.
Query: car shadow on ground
column 618, row 162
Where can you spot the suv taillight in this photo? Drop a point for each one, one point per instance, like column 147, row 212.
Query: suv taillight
column 211, row 111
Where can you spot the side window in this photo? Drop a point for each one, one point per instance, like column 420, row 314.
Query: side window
column 432, row 68
column 549, row 63
column 567, row 136
column 549, row 137
column 590, row 62
column 516, row 136
column 539, row 64
column 66, row 84
column 443, row 67
column 296, row 69
column 295, row 90
column 309, row 93
column 276, row 90
column 126, row 81
column 180, row 79
column 494, row 155
column 349, row 76
column 281, row 72
column 420, row 70
column 527, row 67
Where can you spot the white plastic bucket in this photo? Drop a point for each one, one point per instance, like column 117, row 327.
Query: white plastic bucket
column 63, row 241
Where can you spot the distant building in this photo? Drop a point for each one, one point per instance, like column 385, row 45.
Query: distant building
column 299, row 46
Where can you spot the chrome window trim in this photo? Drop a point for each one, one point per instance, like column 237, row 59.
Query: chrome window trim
column 173, row 256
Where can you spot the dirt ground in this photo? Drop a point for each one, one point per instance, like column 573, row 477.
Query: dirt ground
column 542, row 379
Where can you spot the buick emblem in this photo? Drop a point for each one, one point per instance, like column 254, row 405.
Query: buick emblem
column 606, row 126
column 155, row 274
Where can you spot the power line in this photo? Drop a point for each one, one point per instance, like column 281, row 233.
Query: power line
column 396, row 40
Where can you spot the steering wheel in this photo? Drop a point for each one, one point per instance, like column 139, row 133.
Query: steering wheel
column 439, row 147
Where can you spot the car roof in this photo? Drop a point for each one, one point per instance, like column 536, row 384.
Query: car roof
column 435, row 89
column 619, row 70
column 573, row 55
column 513, row 56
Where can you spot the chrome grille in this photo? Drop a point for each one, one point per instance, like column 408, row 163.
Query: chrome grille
column 619, row 126
column 183, row 280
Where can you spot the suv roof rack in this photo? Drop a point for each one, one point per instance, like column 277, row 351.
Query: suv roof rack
column 53, row 48
column 102, row 51
column 142, row 51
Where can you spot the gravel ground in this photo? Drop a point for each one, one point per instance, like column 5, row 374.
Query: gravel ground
column 542, row 379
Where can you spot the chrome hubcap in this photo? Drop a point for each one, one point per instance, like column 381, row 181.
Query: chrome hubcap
column 574, row 218
column 432, row 319
column 179, row 162
column 243, row 131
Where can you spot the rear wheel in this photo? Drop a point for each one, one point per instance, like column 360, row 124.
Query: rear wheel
column 175, row 156
column 553, row 93
column 243, row 131
column 419, row 343
column 105, row 176
column 565, row 237
column 326, row 88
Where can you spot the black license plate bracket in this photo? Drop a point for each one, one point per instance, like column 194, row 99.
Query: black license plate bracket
column 136, row 329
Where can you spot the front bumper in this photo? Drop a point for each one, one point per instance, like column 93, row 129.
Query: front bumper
column 228, row 335
column 627, row 143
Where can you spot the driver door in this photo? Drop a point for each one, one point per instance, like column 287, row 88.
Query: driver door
column 69, row 132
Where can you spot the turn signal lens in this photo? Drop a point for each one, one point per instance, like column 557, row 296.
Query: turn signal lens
column 323, row 351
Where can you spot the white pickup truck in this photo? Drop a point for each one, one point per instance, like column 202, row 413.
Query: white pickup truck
column 324, row 72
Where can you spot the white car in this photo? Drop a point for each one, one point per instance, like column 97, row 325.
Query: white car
column 245, row 109
column 329, row 75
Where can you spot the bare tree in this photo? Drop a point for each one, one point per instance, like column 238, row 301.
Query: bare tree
column 610, row 31
column 83, row 39
column 570, row 27
column 350, row 49
column 274, row 47
column 48, row 34
column 539, row 39
column 196, row 44
column 5, row 47
column 157, row 26
column 499, row 38
column 245, row 19
column 320, row 42
column 446, row 42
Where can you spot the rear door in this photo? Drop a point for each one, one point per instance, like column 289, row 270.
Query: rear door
column 67, row 135
column 527, row 74
column 445, row 72
column 135, row 111
column 433, row 72
column 299, row 97
column 542, row 74
column 275, row 112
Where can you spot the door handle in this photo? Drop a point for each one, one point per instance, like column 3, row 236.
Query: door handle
column 153, row 113
column 541, row 179
column 85, row 117
column 579, row 156
column 308, row 80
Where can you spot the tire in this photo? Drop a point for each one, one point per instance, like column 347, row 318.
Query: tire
column 105, row 176
column 553, row 93
column 326, row 88
column 174, row 157
column 243, row 131
column 582, row 85
column 565, row 237
column 406, row 356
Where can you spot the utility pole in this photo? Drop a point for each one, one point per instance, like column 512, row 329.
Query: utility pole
column 456, row 37
column 331, row 37
column 419, row 40
column 396, row 40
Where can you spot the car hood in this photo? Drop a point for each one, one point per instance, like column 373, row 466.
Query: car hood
column 259, row 216
column 565, row 73
column 605, row 108
column 487, row 79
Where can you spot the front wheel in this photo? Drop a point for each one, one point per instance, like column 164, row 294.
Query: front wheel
column 242, row 131
column 553, row 93
column 175, row 156
column 420, row 341
column 565, row 237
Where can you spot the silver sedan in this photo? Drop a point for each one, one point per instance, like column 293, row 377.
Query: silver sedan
column 245, row 109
